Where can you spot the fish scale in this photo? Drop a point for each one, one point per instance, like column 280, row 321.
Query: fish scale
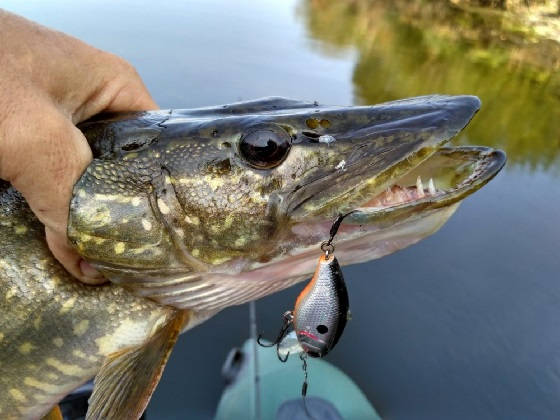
column 55, row 332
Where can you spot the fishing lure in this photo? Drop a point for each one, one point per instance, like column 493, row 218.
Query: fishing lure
column 320, row 312
column 321, row 309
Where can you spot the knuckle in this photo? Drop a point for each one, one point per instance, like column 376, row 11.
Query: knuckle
column 124, row 68
column 55, row 146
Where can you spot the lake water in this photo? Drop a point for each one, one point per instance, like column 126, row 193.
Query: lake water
column 465, row 324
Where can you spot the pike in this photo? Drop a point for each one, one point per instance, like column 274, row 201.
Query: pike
column 188, row 212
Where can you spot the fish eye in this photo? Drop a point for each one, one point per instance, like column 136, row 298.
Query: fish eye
column 322, row 329
column 265, row 147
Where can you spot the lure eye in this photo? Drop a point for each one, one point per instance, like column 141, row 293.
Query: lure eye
column 265, row 147
column 322, row 329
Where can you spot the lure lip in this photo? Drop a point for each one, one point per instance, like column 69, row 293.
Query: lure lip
column 310, row 335
column 313, row 350
column 312, row 344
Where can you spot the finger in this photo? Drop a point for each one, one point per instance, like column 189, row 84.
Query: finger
column 43, row 159
column 132, row 96
column 124, row 90
column 70, row 259
column 46, row 157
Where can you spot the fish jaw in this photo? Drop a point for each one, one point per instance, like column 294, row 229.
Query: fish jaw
column 208, row 293
column 366, row 234
column 407, row 210
column 401, row 135
column 453, row 173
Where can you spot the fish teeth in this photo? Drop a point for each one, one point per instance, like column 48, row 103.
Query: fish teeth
column 419, row 187
column 397, row 196
column 431, row 187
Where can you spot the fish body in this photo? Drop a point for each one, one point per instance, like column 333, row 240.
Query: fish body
column 321, row 309
column 56, row 333
column 188, row 212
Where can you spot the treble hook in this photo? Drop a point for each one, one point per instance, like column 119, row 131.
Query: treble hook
column 288, row 318
column 285, row 359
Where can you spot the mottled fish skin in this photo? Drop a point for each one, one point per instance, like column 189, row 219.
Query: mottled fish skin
column 172, row 209
column 54, row 331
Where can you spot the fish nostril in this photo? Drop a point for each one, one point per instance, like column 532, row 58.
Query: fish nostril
column 130, row 146
column 322, row 329
column 311, row 134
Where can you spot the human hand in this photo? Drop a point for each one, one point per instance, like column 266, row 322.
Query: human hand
column 49, row 82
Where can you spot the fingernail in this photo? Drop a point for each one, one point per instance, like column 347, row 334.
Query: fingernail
column 88, row 271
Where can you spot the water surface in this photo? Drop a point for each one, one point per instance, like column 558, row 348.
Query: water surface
column 466, row 323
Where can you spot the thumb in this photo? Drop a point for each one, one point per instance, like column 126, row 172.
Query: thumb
column 70, row 259
column 43, row 159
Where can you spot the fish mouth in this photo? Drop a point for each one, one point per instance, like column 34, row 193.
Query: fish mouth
column 448, row 176
column 408, row 208
column 387, row 142
column 397, row 176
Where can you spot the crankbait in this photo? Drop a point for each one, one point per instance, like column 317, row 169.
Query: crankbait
column 321, row 309
column 320, row 312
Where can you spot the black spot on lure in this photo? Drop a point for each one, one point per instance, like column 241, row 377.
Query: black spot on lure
column 321, row 309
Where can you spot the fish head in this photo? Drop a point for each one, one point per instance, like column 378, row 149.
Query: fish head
column 247, row 192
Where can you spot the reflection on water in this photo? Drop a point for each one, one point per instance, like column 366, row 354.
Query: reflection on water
column 409, row 48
